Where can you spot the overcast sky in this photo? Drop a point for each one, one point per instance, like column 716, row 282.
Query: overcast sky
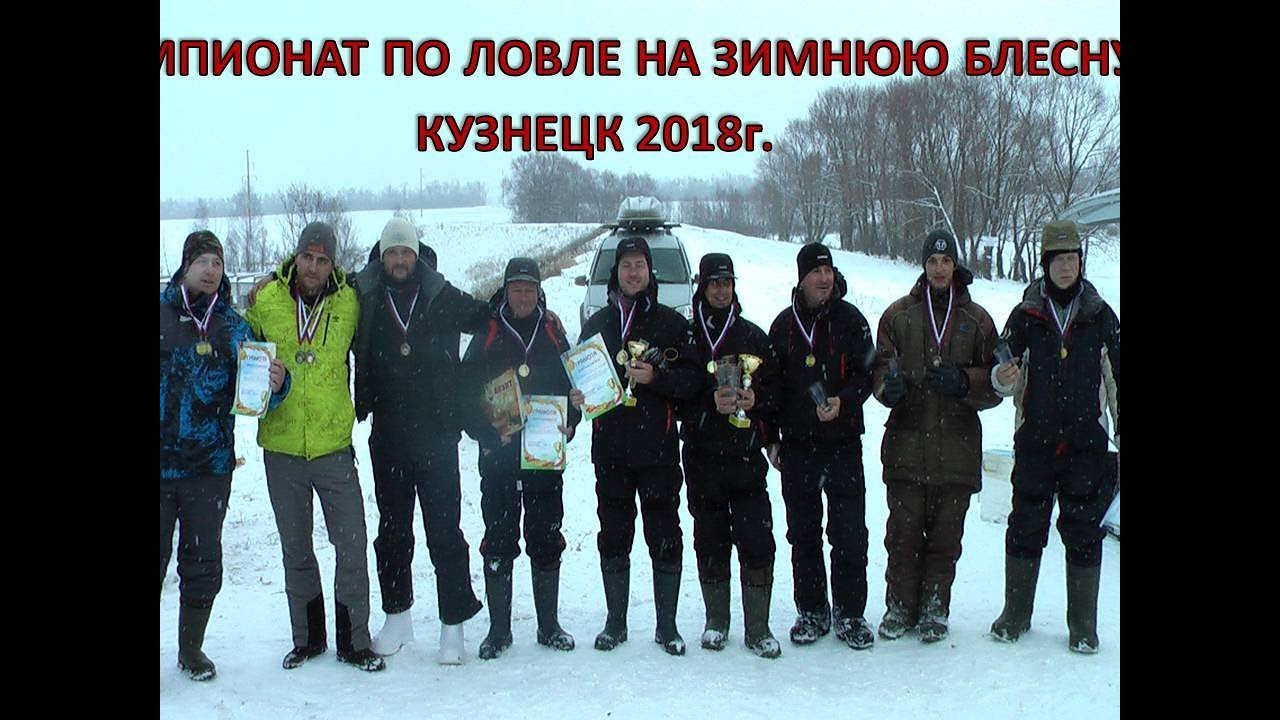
column 360, row 131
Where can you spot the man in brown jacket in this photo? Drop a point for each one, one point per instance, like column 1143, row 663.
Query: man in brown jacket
column 934, row 356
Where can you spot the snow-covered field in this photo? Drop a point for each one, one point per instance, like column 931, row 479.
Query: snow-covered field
column 463, row 238
column 968, row 675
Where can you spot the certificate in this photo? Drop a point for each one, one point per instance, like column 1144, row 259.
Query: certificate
column 501, row 403
column 591, row 370
column 541, row 444
column 253, row 378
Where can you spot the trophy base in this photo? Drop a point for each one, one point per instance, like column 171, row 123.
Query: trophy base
column 738, row 422
column 629, row 401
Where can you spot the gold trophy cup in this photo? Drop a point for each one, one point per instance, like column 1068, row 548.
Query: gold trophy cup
column 750, row 363
column 636, row 348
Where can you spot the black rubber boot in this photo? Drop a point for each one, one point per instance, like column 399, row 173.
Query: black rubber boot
column 363, row 659
column 193, row 618
column 546, row 601
column 317, row 639
column 855, row 632
column 715, row 595
column 497, row 591
column 1020, row 576
column 1082, row 608
column 757, row 593
column 666, row 598
column 617, row 593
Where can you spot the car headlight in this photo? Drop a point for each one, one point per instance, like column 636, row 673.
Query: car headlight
column 686, row 311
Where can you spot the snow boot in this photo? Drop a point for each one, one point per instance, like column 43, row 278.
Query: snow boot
column 715, row 595
column 855, row 632
column 933, row 618
column 897, row 619
column 810, row 625
column 317, row 642
column 396, row 630
column 192, row 621
column 546, row 601
column 363, row 659
column 497, row 591
column 666, row 598
column 617, row 593
column 757, row 591
column 1082, row 608
column 452, row 642
column 1020, row 576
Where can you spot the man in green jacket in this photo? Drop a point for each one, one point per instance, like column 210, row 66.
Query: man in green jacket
column 310, row 312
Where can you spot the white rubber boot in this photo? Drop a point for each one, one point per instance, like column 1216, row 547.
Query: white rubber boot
column 395, row 632
column 451, row 645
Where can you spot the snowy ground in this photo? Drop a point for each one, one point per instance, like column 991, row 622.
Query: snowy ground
column 968, row 675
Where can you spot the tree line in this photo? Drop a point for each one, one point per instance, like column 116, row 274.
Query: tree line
column 991, row 159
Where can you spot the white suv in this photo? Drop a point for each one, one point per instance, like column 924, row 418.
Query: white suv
column 644, row 217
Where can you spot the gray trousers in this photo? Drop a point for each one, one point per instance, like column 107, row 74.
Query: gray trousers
column 291, row 480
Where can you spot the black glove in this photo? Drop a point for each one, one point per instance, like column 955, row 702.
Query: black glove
column 948, row 380
column 895, row 387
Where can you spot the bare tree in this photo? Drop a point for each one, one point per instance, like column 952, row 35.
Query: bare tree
column 303, row 205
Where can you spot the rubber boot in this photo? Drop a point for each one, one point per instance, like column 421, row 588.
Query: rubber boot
column 546, row 601
column 1020, row 576
column 192, row 620
column 1082, row 608
column 666, row 598
column 617, row 593
column 497, row 590
column 757, row 593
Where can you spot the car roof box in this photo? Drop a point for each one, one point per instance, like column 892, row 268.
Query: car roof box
column 642, row 212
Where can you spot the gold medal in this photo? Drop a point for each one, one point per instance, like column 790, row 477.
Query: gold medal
column 523, row 370
column 621, row 357
column 937, row 361
column 1063, row 352
column 405, row 349
column 711, row 366
column 203, row 348
column 810, row 360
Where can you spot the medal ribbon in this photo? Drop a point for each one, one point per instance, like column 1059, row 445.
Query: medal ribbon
column 933, row 322
column 1062, row 329
column 631, row 316
column 404, row 324
column 202, row 326
column 527, row 348
column 308, row 320
column 808, row 336
column 728, row 324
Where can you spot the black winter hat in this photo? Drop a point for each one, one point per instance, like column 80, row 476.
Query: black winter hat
column 318, row 237
column 713, row 266
column 634, row 243
column 811, row 256
column 521, row 269
column 940, row 241
column 198, row 243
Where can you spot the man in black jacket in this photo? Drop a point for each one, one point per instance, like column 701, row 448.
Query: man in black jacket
column 724, row 461
column 522, row 338
column 406, row 350
column 1064, row 376
column 825, row 348
column 635, row 448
